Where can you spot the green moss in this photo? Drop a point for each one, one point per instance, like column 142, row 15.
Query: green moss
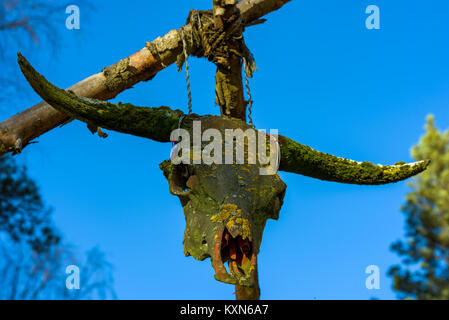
column 301, row 159
column 152, row 123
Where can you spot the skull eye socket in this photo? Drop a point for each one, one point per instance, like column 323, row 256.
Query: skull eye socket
column 179, row 179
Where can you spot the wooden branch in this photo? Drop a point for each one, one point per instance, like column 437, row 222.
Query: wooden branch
column 304, row 160
column 229, row 87
column 19, row 130
column 248, row 292
column 228, row 78
column 253, row 10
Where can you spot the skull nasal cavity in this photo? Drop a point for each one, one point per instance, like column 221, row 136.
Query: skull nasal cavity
column 235, row 249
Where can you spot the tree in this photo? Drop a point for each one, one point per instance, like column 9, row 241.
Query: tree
column 30, row 275
column 28, row 24
column 425, row 251
column 23, row 215
column 33, row 256
column 226, row 205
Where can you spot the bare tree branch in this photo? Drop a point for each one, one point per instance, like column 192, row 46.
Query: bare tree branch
column 26, row 24
column 253, row 10
column 26, row 275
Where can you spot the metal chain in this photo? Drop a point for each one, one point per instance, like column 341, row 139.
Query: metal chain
column 186, row 56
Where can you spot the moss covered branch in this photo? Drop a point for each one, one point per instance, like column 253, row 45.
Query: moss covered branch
column 304, row 160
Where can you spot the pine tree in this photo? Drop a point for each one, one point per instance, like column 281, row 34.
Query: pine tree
column 425, row 251
column 23, row 214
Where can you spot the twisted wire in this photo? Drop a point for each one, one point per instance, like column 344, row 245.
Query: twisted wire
column 189, row 92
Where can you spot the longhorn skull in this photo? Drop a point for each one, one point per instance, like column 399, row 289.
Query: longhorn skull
column 226, row 206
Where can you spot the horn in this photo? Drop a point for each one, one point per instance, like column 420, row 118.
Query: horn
column 304, row 160
column 158, row 123
column 153, row 123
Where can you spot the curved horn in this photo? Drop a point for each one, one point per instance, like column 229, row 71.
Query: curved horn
column 301, row 159
column 152, row 123
column 158, row 123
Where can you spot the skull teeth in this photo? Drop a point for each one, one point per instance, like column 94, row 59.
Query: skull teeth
column 239, row 254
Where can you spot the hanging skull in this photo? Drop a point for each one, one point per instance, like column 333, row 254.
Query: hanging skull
column 226, row 207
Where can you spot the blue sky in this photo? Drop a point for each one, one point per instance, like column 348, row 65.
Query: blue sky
column 323, row 79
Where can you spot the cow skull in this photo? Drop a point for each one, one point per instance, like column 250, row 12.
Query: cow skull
column 226, row 206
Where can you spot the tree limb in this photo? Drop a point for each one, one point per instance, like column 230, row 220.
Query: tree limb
column 252, row 10
column 19, row 130
column 228, row 59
